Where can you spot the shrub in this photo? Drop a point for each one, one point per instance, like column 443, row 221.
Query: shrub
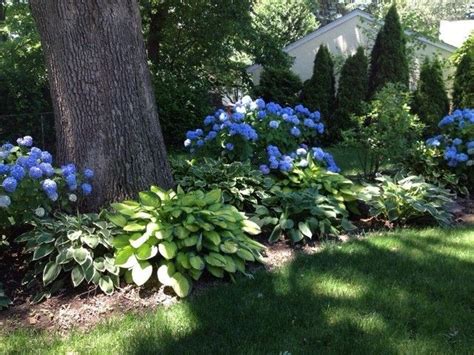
column 303, row 214
column 279, row 84
column 76, row 247
column 181, row 235
column 402, row 201
column 254, row 131
column 31, row 186
column 388, row 60
column 352, row 91
column 319, row 91
column 454, row 147
column 430, row 101
column 242, row 186
column 463, row 85
column 388, row 132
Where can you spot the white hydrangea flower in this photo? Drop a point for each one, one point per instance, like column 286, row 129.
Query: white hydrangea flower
column 40, row 212
column 4, row 201
column 72, row 197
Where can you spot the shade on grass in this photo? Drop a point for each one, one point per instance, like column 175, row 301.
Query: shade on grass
column 407, row 291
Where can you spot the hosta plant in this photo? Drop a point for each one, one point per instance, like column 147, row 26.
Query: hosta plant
column 401, row 201
column 76, row 248
column 302, row 215
column 179, row 236
column 242, row 186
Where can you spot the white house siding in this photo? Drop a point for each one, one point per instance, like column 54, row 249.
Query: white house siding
column 342, row 37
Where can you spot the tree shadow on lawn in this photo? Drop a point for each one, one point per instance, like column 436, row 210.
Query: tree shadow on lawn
column 367, row 297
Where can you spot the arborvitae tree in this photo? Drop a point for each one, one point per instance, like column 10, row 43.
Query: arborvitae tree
column 388, row 61
column 430, row 101
column 319, row 92
column 279, row 84
column 463, row 86
column 352, row 91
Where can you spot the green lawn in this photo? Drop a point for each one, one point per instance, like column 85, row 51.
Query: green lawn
column 407, row 291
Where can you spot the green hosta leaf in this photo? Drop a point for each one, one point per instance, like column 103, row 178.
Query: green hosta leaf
column 106, row 285
column 74, row 235
column 197, row 262
column 180, row 285
column 215, row 271
column 215, row 259
column 347, row 225
column 45, row 238
column 183, row 260
column 127, row 208
column 138, row 239
column 42, row 251
column 50, row 272
column 80, row 255
column 121, row 241
column 230, row 265
column 150, row 199
column 181, row 232
column 168, row 249
column 295, row 235
column 245, row 254
column 141, row 272
column 195, row 274
column 165, row 272
column 135, row 227
column 276, row 234
column 64, row 256
column 125, row 258
column 190, row 241
column 212, row 197
column 164, row 233
column 304, row 228
column 229, row 247
column 250, row 227
column 117, row 219
column 77, row 276
column 287, row 224
column 213, row 237
column 146, row 251
column 99, row 264
column 91, row 240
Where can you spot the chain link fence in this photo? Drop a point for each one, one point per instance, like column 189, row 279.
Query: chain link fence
column 38, row 125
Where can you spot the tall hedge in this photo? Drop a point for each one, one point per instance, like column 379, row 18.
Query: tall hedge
column 430, row 100
column 463, row 86
column 319, row 91
column 279, row 84
column 388, row 60
column 352, row 91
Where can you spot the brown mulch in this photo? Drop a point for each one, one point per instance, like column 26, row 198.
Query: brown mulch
column 84, row 308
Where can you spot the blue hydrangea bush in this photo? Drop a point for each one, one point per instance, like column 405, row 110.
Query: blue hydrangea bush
column 453, row 148
column 31, row 186
column 271, row 136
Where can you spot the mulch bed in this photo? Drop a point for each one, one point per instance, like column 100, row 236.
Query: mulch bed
column 84, row 308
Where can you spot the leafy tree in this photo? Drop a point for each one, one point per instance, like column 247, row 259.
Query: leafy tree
column 430, row 101
column 319, row 91
column 280, row 85
column 388, row 60
column 463, row 86
column 283, row 20
column 352, row 90
column 105, row 112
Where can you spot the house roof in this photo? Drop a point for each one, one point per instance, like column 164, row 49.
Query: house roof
column 366, row 16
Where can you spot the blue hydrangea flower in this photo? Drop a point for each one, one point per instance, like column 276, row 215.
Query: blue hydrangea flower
column 274, row 124
column 238, row 117
column 264, row 169
column 88, row 173
column 457, row 141
column 46, row 157
column 86, row 189
column 200, row 143
column 17, row 172
column 273, row 151
column 9, row 184
column 470, row 145
column 209, row 120
column 4, row 169
column 47, row 169
column 308, row 122
column 50, row 187
column 295, row 132
column 35, row 173
column 71, row 181
column 260, row 104
column 5, row 201
column 261, row 115
column 68, row 169
column 229, row 146
column 26, row 141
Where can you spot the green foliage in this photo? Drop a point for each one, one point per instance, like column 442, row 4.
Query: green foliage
column 303, row 214
column 4, row 300
column 242, row 186
column 283, row 20
column 463, row 85
column 319, row 91
column 279, row 84
column 78, row 248
column 352, row 91
column 402, row 201
column 181, row 235
column 388, row 60
column 430, row 101
column 387, row 133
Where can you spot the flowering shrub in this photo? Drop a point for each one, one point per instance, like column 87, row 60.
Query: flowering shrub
column 454, row 147
column 266, row 133
column 30, row 185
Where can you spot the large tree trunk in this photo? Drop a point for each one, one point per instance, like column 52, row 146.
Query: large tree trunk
column 105, row 110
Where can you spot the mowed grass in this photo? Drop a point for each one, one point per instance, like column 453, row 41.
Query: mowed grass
column 407, row 291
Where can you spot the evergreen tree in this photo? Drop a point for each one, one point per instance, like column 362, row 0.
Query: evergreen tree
column 352, row 91
column 388, row 61
column 319, row 91
column 463, row 86
column 279, row 84
column 430, row 101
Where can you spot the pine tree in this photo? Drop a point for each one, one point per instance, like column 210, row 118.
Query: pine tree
column 319, row 91
column 279, row 84
column 352, row 91
column 388, row 60
column 463, row 86
column 430, row 101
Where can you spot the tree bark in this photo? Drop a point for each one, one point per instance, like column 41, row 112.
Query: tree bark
column 105, row 111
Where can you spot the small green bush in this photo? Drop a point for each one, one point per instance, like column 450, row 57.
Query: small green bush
column 279, row 84
column 242, row 186
column 76, row 247
column 402, row 201
column 181, row 235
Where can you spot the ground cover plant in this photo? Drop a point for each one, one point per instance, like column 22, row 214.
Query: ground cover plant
column 405, row 291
